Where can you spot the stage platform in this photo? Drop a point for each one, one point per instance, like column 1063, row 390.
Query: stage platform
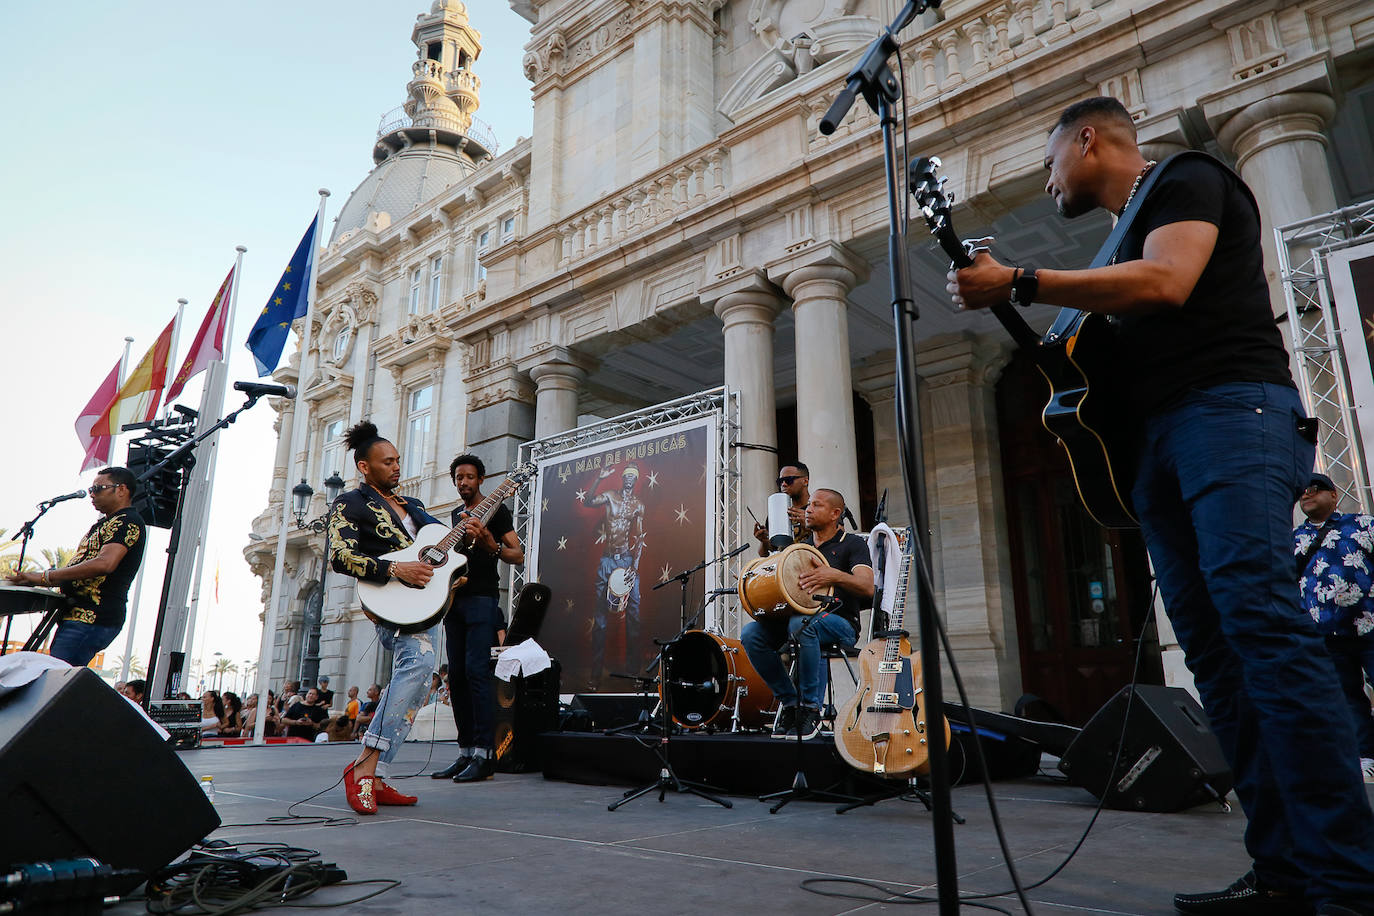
column 522, row 844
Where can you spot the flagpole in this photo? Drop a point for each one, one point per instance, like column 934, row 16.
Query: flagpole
column 212, row 403
column 138, row 580
column 297, row 434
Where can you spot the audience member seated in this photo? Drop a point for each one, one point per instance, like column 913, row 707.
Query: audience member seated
column 436, row 684
column 211, row 714
column 352, row 707
column 374, row 693
column 286, row 697
column 250, row 718
column 135, row 690
column 233, row 716
column 305, row 718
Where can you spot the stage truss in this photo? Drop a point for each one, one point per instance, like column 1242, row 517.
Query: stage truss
column 718, row 403
column 1317, row 336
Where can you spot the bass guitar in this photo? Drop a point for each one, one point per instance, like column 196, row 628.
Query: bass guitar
column 413, row 608
column 882, row 728
column 1086, row 411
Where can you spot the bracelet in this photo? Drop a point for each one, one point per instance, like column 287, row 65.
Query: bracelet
column 47, row 580
column 1024, row 286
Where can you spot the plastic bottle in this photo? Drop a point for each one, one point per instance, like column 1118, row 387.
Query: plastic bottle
column 207, row 785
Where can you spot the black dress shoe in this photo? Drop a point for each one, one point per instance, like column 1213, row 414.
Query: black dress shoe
column 1246, row 897
column 453, row 769
column 478, row 768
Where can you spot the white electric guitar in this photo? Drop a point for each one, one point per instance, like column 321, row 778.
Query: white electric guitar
column 412, row 608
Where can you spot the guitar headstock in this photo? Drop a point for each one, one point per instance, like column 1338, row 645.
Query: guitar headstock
column 936, row 205
column 523, row 473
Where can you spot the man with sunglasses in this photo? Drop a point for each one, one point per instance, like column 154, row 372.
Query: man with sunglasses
column 795, row 481
column 1335, row 553
column 96, row 580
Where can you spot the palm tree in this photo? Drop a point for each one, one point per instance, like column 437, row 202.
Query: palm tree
column 58, row 556
column 221, row 667
column 135, row 666
column 10, row 558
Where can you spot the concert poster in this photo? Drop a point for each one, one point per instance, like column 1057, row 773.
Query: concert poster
column 1352, row 285
column 611, row 521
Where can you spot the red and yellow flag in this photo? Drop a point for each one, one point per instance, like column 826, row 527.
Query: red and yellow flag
column 138, row 398
column 209, row 343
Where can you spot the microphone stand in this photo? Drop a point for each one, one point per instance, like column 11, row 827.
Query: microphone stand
column 667, row 779
column 26, row 532
column 881, row 90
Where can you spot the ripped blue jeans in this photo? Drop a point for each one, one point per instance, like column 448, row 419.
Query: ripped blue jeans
column 411, row 667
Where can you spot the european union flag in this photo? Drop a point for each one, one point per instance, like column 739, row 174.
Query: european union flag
column 287, row 303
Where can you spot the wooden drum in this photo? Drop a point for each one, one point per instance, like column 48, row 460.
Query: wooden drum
column 770, row 586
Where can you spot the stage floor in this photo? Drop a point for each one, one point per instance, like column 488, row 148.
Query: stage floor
column 522, row 844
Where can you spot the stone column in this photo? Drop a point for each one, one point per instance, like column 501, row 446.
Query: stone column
column 555, row 397
column 825, row 389
column 748, row 317
column 1274, row 129
column 967, row 513
column 876, row 379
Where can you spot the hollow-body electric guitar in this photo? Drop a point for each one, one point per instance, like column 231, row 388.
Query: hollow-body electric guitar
column 412, row 608
column 882, row 729
column 1086, row 412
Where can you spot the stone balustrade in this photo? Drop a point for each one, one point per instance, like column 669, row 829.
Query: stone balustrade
column 464, row 81
column 647, row 203
column 426, row 69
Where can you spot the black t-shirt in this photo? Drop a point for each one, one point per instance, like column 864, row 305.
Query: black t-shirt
column 483, row 579
column 326, row 698
column 316, row 714
column 103, row 600
column 1225, row 332
column 846, row 552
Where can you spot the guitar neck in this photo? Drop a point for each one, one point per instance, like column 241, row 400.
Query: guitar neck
column 483, row 511
column 892, row 651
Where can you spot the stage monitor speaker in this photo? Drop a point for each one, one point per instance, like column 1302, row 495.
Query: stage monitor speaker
column 525, row 707
column 1169, row 759
column 612, row 710
column 82, row 773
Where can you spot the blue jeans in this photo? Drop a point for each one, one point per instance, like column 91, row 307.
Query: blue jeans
column 411, row 666
column 1218, row 477
column 471, row 626
column 1353, row 657
column 76, row 643
column 763, row 638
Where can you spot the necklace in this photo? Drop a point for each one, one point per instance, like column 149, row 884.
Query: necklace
column 1136, row 186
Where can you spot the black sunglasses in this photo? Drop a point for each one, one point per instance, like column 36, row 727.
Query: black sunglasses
column 789, row 480
column 102, row 487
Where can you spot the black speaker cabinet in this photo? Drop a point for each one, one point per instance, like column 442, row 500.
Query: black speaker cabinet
column 1168, row 756
column 83, row 774
column 525, row 707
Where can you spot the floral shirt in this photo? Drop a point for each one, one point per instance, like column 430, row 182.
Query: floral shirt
column 1338, row 584
column 103, row 600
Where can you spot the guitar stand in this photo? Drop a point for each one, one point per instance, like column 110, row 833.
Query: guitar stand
column 910, row 790
column 801, row 790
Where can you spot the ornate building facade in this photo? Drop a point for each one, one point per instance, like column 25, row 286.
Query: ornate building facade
column 678, row 222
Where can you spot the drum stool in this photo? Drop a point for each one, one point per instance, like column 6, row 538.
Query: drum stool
column 829, row 652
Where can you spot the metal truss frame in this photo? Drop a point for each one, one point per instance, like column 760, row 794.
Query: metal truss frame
column 1318, row 342
column 720, row 403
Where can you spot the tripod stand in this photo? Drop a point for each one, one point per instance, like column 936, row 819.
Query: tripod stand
column 801, row 790
column 667, row 779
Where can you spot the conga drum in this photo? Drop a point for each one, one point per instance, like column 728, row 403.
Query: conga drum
column 770, row 586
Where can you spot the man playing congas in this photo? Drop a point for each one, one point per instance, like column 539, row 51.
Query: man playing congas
column 851, row 575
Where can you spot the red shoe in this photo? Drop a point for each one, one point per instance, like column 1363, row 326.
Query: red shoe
column 359, row 792
column 386, row 795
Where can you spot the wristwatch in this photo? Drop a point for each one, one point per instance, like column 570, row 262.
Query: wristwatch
column 1024, row 286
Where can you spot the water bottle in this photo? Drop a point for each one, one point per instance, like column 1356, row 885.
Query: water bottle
column 207, row 785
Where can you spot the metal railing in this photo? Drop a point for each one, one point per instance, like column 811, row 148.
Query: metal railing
column 397, row 119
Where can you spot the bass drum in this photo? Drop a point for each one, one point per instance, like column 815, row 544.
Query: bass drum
column 770, row 586
column 708, row 672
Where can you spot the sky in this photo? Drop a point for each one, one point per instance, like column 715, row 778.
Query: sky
column 144, row 142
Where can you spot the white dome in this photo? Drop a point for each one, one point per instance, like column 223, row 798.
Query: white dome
column 400, row 184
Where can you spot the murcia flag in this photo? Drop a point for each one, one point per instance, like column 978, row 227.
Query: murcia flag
column 139, row 396
column 97, row 448
column 209, row 343
column 287, row 303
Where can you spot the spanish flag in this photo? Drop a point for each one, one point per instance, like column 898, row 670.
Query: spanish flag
column 138, row 398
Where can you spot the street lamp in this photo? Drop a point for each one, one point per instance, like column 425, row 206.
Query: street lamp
column 219, row 672
column 301, row 494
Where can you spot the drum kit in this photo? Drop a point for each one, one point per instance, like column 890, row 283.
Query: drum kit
column 713, row 683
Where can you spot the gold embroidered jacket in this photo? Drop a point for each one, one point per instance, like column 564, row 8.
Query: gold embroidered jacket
column 362, row 526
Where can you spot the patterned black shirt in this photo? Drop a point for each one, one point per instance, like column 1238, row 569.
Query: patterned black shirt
column 103, row 600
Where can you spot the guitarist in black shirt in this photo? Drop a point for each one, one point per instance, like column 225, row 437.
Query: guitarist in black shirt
column 1224, row 451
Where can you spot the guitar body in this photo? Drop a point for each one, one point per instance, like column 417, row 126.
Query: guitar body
column 1085, row 414
column 1087, row 411
column 410, row 608
column 882, row 728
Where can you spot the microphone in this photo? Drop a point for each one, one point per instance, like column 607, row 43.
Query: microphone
column 79, row 494
column 692, row 685
column 259, row 390
column 738, row 550
column 715, row 592
column 829, row 602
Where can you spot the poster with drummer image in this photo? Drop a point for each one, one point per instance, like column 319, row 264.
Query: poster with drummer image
column 611, row 521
